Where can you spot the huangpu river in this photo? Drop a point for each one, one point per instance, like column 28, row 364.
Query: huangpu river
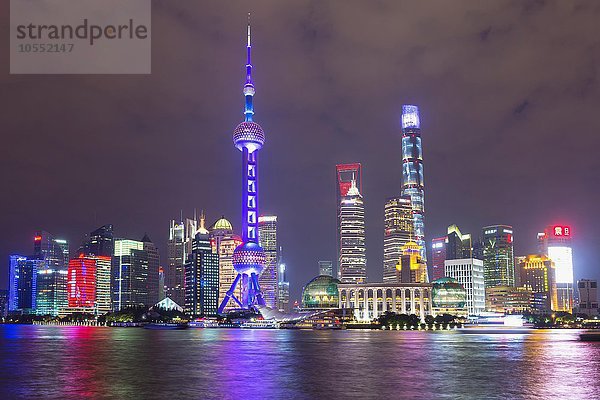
column 53, row 362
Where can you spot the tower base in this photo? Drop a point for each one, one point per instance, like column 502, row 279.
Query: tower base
column 250, row 292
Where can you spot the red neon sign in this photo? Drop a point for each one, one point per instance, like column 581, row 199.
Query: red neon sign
column 561, row 230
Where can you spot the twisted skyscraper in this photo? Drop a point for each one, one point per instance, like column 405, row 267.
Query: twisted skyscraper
column 412, row 171
column 248, row 258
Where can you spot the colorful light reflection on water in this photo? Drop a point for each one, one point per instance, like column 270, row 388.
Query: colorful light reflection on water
column 84, row 362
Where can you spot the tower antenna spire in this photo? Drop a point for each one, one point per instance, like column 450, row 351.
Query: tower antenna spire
column 249, row 85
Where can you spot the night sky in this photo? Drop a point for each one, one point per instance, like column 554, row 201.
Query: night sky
column 509, row 98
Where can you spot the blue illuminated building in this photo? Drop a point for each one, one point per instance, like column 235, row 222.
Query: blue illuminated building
column 412, row 171
column 248, row 258
column 22, row 291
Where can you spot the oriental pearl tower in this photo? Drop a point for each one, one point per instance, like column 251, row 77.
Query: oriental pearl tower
column 248, row 258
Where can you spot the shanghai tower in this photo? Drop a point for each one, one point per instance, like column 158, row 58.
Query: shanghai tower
column 248, row 258
column 412, row 171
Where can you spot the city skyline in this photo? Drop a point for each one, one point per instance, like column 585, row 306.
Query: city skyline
column 135, row 215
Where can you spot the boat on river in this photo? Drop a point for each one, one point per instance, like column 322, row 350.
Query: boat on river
column 488, row 323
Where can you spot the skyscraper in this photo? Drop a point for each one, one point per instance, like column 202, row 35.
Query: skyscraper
column 438, row 256
column 88, row 286
column 202, row 276
column 178, row 247
column 51, row 294
column 469, row 272
column 345, row 174
column 455, row 245
column 224, row 242
column 283, row 297
column 538, row 274
column 129, row 275
column 153, row 266
column 325, row 268
column 22, row 283
column 267, row 232
column 248, row 258
column 555, row 242
column 498, row 256
column 81, row 285
column 412, row 171
column 100, row 242
column 398, row 231
column 353, row 259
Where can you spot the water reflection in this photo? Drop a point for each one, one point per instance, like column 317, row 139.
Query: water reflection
column 84, row 362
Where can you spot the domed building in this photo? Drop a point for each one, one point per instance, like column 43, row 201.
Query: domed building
column 321, row 293
column 448, row 296
column 222, row 225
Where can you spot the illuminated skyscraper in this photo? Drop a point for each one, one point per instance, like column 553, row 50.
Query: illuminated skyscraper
column 345, row 174
column 455, row 245
column 267, row 232
column 498, row 256
column 555, row 242
column 88, row 287
column 283, row 296
column 538, row 274
column 353, row 259
column 412, row 171
column 398, row 231
column 224, row 242
column 52, row 278
column 469, row 272
column 248, row 258
column 22, row 283
column 438, row 256
column 129, row 281
column 202, row 276
column 326, row 268
column 179, row 246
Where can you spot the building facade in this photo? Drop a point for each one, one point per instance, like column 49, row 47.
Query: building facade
column 509, row 299
column 345, row 174
column 555, row 242
column 267, row 233
column 283, row 298
column 411, row 267
column 22, row 281
column 153, row 267
column 412, row 172
column 51, row 294
column 352, row 249
column 538, row 274
column 100, row 242
column 455, row 245
column 398, row 231
column 588, row 297
column 369, row 301
column 179, row 245
column 469, row 272
column 202, row 276
column 498, row 256
column 438, row 256
column 129, row 281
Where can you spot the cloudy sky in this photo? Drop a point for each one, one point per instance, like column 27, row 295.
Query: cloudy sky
column 508, row 92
